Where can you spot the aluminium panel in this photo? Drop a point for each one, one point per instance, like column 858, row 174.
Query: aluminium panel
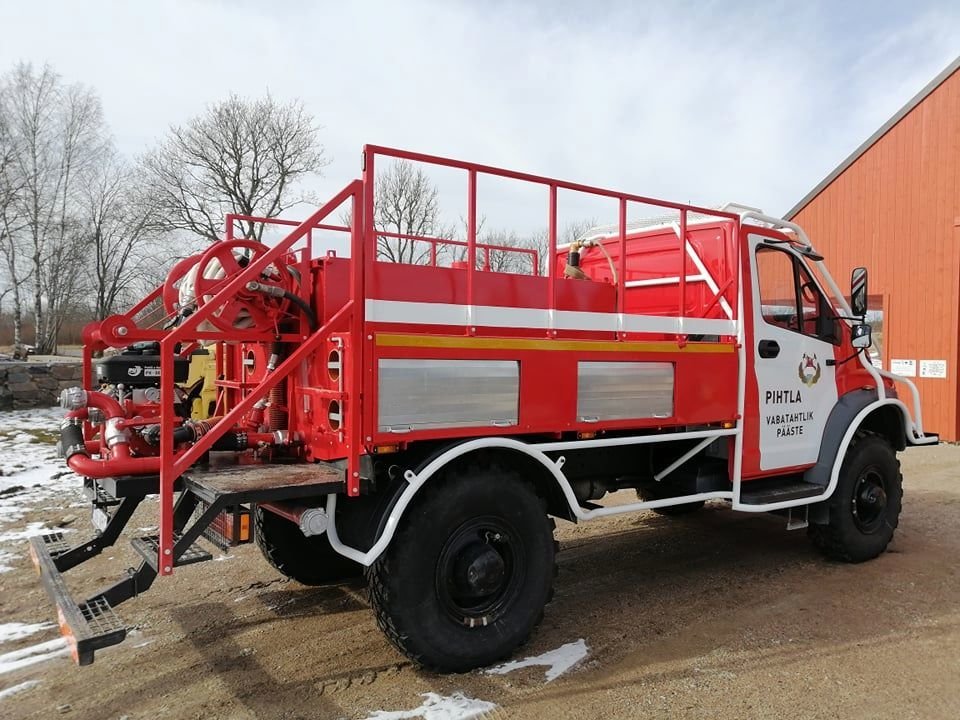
column 624, row 390
column 424, row 394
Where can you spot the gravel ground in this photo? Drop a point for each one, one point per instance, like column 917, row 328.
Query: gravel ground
column 714, row 615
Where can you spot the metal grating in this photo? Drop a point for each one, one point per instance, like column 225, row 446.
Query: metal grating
column 55, row 543
column 104, row 499
column 100, row 617
column 149, row 546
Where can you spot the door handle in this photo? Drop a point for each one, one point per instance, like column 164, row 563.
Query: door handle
column 768, row 348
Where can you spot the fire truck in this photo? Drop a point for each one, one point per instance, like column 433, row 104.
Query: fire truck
column 424, row 424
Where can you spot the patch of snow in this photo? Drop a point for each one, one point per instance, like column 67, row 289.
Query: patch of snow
column 17, row 630
column 31, row 473
column 31, row 530
column 221, row 558
column 557, row 661
column 16, row 689
column 6, row 558
column 439, row 707
column 32, row 655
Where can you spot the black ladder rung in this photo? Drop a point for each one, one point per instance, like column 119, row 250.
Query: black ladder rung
column 148, row 547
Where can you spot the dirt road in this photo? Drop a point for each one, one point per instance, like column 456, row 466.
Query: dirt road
column 716, row 615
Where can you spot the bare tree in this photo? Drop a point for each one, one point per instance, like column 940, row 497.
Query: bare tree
column 57, row 134
column 115, row 225
column 241, row 156
column 406, row 203
column 10, row 244
column 524, row 263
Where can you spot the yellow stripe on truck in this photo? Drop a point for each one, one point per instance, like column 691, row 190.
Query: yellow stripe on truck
column 478, row 343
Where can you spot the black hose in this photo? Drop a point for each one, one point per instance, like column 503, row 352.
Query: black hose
column 302, row 304
column 71, row 439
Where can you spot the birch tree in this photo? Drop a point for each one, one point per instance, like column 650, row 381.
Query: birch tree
column 57, row 135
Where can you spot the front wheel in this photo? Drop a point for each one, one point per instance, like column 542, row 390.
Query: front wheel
column 865, row 507
column 466, row 578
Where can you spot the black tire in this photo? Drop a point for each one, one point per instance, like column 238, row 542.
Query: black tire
column 671, row 510
column 865, row 507
column 467, row 576
column 308, row 560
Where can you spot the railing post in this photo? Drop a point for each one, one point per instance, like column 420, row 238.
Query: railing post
column 683, row 265
column 165, row 549
column 471, row 243
column 622, row 274
column 552, row 257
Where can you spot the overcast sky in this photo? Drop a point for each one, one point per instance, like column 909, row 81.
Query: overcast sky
column 706, row 102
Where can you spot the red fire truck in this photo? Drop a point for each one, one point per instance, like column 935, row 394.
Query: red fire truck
column 423, row 424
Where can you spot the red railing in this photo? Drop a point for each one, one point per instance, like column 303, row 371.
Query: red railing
column 728, row 286
column 433, row 242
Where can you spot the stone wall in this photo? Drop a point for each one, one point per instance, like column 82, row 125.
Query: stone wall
column 36, row 384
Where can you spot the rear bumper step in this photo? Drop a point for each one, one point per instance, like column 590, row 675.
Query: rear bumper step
column 88, row 626
column 148, row 548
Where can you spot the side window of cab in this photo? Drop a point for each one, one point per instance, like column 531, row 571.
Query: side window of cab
column 790, row 298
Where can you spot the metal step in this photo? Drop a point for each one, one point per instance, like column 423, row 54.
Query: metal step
column 765, row 492
column 54, row 543
column 96, row 494
column 89, row 626
column 262, row 483
column 148, row 547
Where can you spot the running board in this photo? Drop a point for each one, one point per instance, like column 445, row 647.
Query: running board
column 88, row 626
column 767, row 492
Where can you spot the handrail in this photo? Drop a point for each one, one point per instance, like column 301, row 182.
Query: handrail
column 542, row 180
column 172, row 466
column 475, row 170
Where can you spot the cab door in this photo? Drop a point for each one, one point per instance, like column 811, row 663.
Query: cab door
column 796, row 331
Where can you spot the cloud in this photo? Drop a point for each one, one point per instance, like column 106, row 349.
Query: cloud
column 690, row 101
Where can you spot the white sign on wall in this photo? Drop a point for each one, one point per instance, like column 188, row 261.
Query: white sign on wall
column 933, row 368
column 906, row 368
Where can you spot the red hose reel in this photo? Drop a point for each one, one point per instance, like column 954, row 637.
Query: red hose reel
column 195, row 280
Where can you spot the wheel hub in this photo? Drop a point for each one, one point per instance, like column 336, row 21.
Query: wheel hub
column 869, row 501
column 480, row 570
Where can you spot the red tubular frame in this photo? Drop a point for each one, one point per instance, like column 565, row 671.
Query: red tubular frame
column 350, row 320
column 172, row 467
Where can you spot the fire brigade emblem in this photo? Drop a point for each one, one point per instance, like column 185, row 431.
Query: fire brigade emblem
column 809, row 370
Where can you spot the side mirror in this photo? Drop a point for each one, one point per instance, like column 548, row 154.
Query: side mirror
column 858, row 292
column 860, row 336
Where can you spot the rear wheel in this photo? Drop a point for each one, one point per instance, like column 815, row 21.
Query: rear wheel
column 865, row 507
column 308, row 560
column 466, row 578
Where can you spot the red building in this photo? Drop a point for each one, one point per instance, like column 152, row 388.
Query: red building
column 894, row 206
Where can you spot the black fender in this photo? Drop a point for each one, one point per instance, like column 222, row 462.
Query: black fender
column 886, row 420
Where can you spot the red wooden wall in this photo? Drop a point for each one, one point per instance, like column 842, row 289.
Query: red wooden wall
column 896, row 210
